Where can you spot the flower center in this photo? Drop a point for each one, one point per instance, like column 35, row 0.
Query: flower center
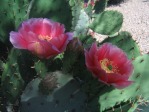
column 37, row 48
column 108, row 66
column 45, row 37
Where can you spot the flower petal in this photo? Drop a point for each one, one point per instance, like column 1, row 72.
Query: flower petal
column 93, row 50
column 113, row 77
column 89, row 61
column 41, row 36
column 17, row 40
column 42, row 27
column 49, row 50
column 70, row 35
column 36, row 48
column 128, row 68
column 115, row 57
column 64, row 40
column 122, row 84
column 103, row 51
column 60, row 42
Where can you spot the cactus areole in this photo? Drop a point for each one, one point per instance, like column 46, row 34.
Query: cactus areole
column 42, row 37
column 109, row 64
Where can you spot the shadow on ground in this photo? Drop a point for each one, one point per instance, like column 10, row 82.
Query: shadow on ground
column 115, row 2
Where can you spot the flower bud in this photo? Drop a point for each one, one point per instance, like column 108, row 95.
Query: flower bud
column 48, row 84
column 75, row 45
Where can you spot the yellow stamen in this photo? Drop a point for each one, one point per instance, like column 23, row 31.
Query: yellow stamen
column 108, row 66
column 46, row 37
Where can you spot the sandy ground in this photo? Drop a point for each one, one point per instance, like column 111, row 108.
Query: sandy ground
column 136, row 21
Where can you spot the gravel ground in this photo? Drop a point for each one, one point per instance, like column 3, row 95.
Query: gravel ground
column 136, row 21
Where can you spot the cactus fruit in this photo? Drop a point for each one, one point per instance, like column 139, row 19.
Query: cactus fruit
column 52, row 81
column 48, row 84
column 71, row 55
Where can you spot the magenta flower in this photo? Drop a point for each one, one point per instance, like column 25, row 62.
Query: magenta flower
column 92, row 3
column 42, row 37
column 109, row 64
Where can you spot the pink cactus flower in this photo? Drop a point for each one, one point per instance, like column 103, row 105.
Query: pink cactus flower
column 43, row 37
column 109, row 64
column 85, row 5
column 92, row 2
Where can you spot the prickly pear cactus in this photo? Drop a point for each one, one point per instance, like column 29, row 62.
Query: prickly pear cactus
column 48, row 69
column 103, row 25
column 12, row 82
column 66, row 98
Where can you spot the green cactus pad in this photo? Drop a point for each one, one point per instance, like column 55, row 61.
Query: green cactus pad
column 87, row 40
column 138, row 88
column 2, row 101
column 12, row 13
column 69, row 60
column 124, row 41
column 82, row 24
column 41, row 68
column 1, row 64
column 71, row 55
column 71, row 2
column 100, row 6
column 25, row 62
column 76, row 9
column 107, row 22
column 12, row 82
column 52, row 81
column 68, row 98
